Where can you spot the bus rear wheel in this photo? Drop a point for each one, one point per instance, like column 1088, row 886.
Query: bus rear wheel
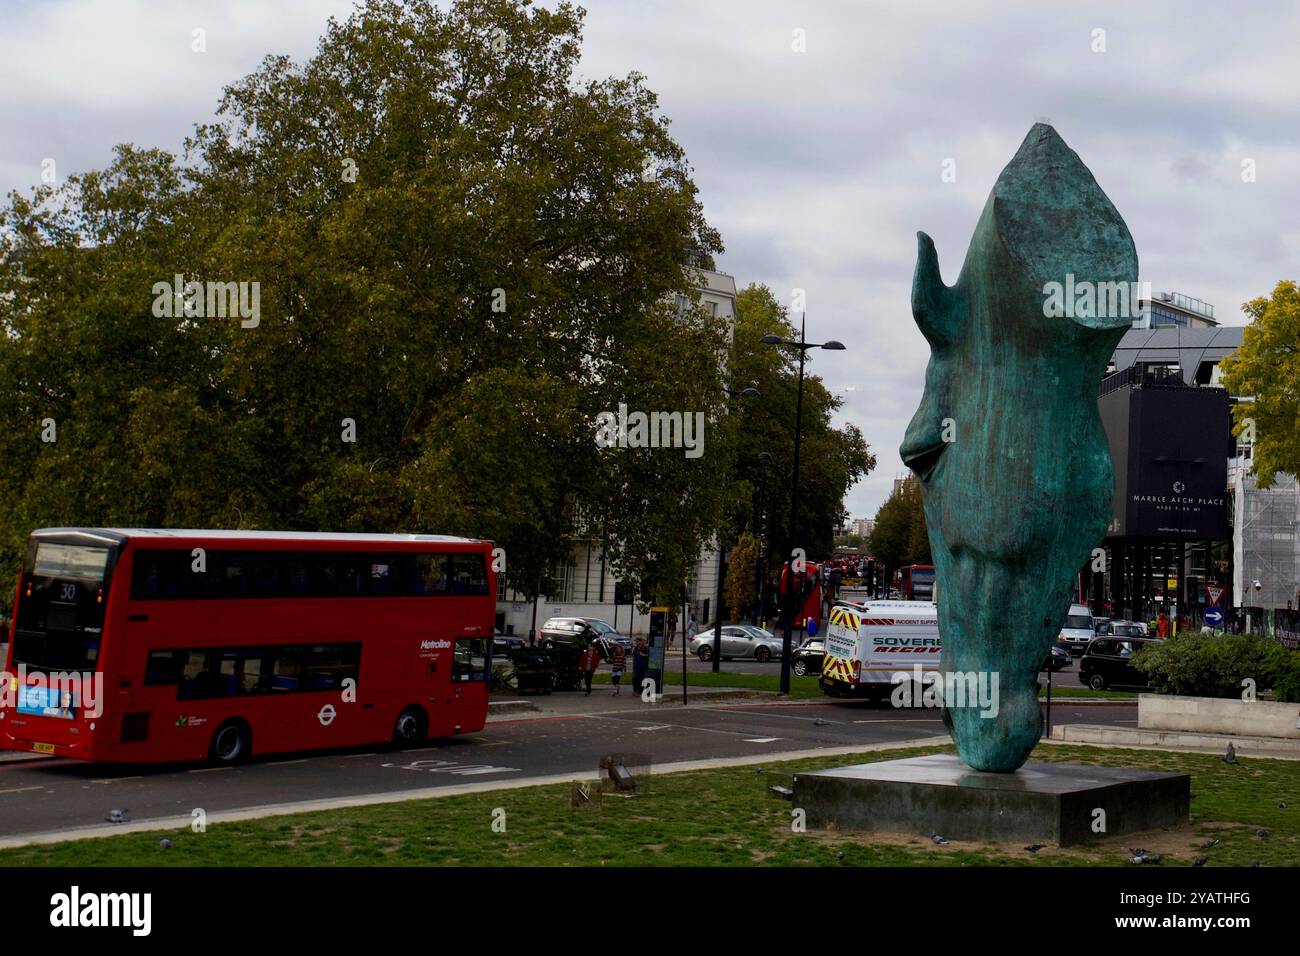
column 411, row 726
column 232, row 743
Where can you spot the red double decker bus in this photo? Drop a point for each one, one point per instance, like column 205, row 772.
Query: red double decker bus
column 155, row 645
column 918, row 582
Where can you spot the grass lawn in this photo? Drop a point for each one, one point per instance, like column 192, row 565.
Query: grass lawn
column 675, row 823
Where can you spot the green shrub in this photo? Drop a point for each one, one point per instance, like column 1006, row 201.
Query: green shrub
column 1286, row 687
column 1201, row 665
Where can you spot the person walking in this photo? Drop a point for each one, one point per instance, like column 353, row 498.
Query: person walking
column 588, row 664
column 640, row 664
column 617, row 665
column 1162, row 625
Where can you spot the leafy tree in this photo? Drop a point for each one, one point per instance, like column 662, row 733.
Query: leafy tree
column 740, row 585
column 899, row 536
column 463, row 256
column 1267, row 366
column 831, row 459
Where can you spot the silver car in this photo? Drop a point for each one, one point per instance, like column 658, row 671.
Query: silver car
column 738, row 640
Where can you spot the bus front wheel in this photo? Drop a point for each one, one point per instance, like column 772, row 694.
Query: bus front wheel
column 232, row 742
column 411, row 726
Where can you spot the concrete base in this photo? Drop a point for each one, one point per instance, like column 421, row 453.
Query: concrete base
column 1213, row 715
column 1039, row 803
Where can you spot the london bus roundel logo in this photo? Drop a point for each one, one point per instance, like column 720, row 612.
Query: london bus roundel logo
column 326, row 715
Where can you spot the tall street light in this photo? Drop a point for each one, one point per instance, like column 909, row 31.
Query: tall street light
column 750, row 392
column 803, row 345
column 763, row 526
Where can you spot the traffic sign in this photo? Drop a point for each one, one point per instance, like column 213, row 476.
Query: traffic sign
column 1214, row 615
column 1214, row 592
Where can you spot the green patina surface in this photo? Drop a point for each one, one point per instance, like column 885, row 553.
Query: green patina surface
column 1008, row 445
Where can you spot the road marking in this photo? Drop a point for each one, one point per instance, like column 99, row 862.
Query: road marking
column 283, row 763
column 21, row 789
column 355, row 756
column 656, row 727
column 209, row 769
column 760, row 740
column 764, row 713
column 450, row 766
column 703, row 730
column 116, row 779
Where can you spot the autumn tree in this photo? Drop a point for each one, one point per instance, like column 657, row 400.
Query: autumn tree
column 1267, row 368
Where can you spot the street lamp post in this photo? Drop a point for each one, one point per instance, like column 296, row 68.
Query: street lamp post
column 762, row 526
column 787, row 613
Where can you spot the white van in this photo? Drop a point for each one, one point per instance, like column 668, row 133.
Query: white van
column 867, row 644
column 1078, row 629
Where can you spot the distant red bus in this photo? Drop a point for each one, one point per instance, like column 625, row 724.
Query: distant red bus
column 918, row 582
column 152, row 645
column 807, row 585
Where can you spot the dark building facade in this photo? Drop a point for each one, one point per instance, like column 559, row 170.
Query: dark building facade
column 1170, row 443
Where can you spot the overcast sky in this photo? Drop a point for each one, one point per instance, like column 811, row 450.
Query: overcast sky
column 818, row 166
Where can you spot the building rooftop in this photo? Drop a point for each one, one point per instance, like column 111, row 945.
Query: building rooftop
column 1187, row 348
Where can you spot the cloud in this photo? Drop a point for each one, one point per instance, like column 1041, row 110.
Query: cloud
column 818, row 167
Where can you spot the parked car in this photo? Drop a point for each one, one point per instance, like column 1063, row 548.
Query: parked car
column 1108, row 662
column 738, row 640
column 578, row 631
column 1077, row 630
column 1058, row 658
column 808, row 658
column 505, row 645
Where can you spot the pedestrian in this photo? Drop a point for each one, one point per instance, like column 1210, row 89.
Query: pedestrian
column 617, row 664
column 588, row 663
column 640, row 664
column 692, row 628
column 672, row 626
column 1162, row 625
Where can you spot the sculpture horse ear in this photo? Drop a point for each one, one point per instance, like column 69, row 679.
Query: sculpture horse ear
column 932, row 301
column 934, row 306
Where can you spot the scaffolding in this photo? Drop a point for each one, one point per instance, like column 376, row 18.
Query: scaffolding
column 1266, row 546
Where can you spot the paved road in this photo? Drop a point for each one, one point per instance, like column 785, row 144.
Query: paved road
column 50, row 794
